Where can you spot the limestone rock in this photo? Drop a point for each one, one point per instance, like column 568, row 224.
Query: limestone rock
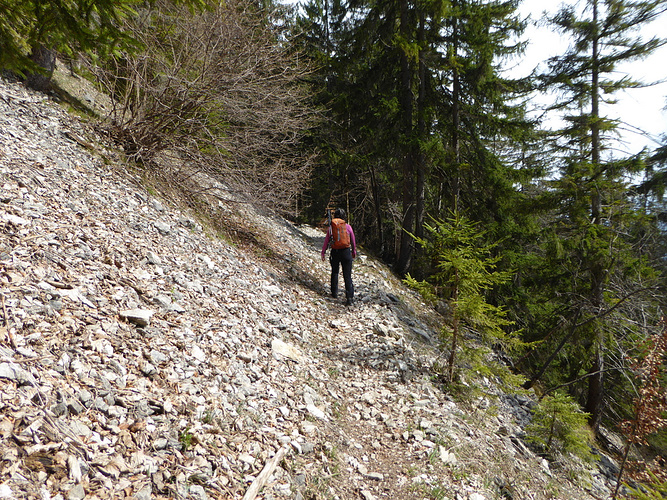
column 140, row 317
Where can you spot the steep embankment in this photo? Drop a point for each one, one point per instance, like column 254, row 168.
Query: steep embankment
column 144, row 358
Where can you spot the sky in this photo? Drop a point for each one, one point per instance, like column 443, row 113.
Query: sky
column 642, row 109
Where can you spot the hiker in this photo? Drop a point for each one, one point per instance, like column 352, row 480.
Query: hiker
column 343, row 249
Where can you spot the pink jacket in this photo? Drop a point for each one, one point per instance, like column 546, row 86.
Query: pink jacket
column 353, row 242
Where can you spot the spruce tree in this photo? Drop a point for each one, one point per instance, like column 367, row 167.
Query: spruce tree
column 389, row 89
column 465, row 272
column 481, row 118
column 589, row 192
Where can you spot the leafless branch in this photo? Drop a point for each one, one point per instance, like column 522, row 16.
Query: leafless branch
column 218, row 94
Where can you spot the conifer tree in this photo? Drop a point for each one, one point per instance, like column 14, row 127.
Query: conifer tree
column 481, row 118
column 559, row 426
column 590, row 191
column 390, row 94
column 465, row 272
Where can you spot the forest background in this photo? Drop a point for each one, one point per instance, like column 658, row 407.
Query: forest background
column 547, row 242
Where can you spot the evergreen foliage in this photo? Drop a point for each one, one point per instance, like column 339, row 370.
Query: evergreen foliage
column 391, row 147
column 63, row 26
column 655, row 490
column 559, row 426
column 464, row 270
column 594, row 262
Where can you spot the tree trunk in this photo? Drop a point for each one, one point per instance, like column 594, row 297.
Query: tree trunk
column 405, row 256
column 407, row 224
column 595, row 390
column 596, row 380
column 421, row 131
column 456, row 123
column 45, row 59
column 455, row 328
column 375, row 189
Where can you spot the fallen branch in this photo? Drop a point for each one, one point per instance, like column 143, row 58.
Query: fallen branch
column 10, row 337
column 263, row 477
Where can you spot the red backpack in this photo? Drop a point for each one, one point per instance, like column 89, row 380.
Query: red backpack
column 340, row 238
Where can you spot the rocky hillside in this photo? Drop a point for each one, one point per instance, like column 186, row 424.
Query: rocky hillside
column 144, row 357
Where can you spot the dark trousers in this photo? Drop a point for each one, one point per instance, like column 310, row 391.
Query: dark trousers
column 341, row 258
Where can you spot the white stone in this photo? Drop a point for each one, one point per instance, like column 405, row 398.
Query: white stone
column 198, row 353
column 15, row 219
column 308, row 428
column 140, row 317
column 447, row 457
column 316, row 412
column 281, row 350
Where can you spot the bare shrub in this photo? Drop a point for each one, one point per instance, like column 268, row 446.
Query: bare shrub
column 213, row 92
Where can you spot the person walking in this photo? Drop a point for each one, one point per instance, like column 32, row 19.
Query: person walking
column 340, row 237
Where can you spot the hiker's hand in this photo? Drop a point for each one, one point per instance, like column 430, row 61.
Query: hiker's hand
column 323, row 257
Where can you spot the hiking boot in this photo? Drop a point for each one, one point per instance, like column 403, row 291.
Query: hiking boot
column 349, row 302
